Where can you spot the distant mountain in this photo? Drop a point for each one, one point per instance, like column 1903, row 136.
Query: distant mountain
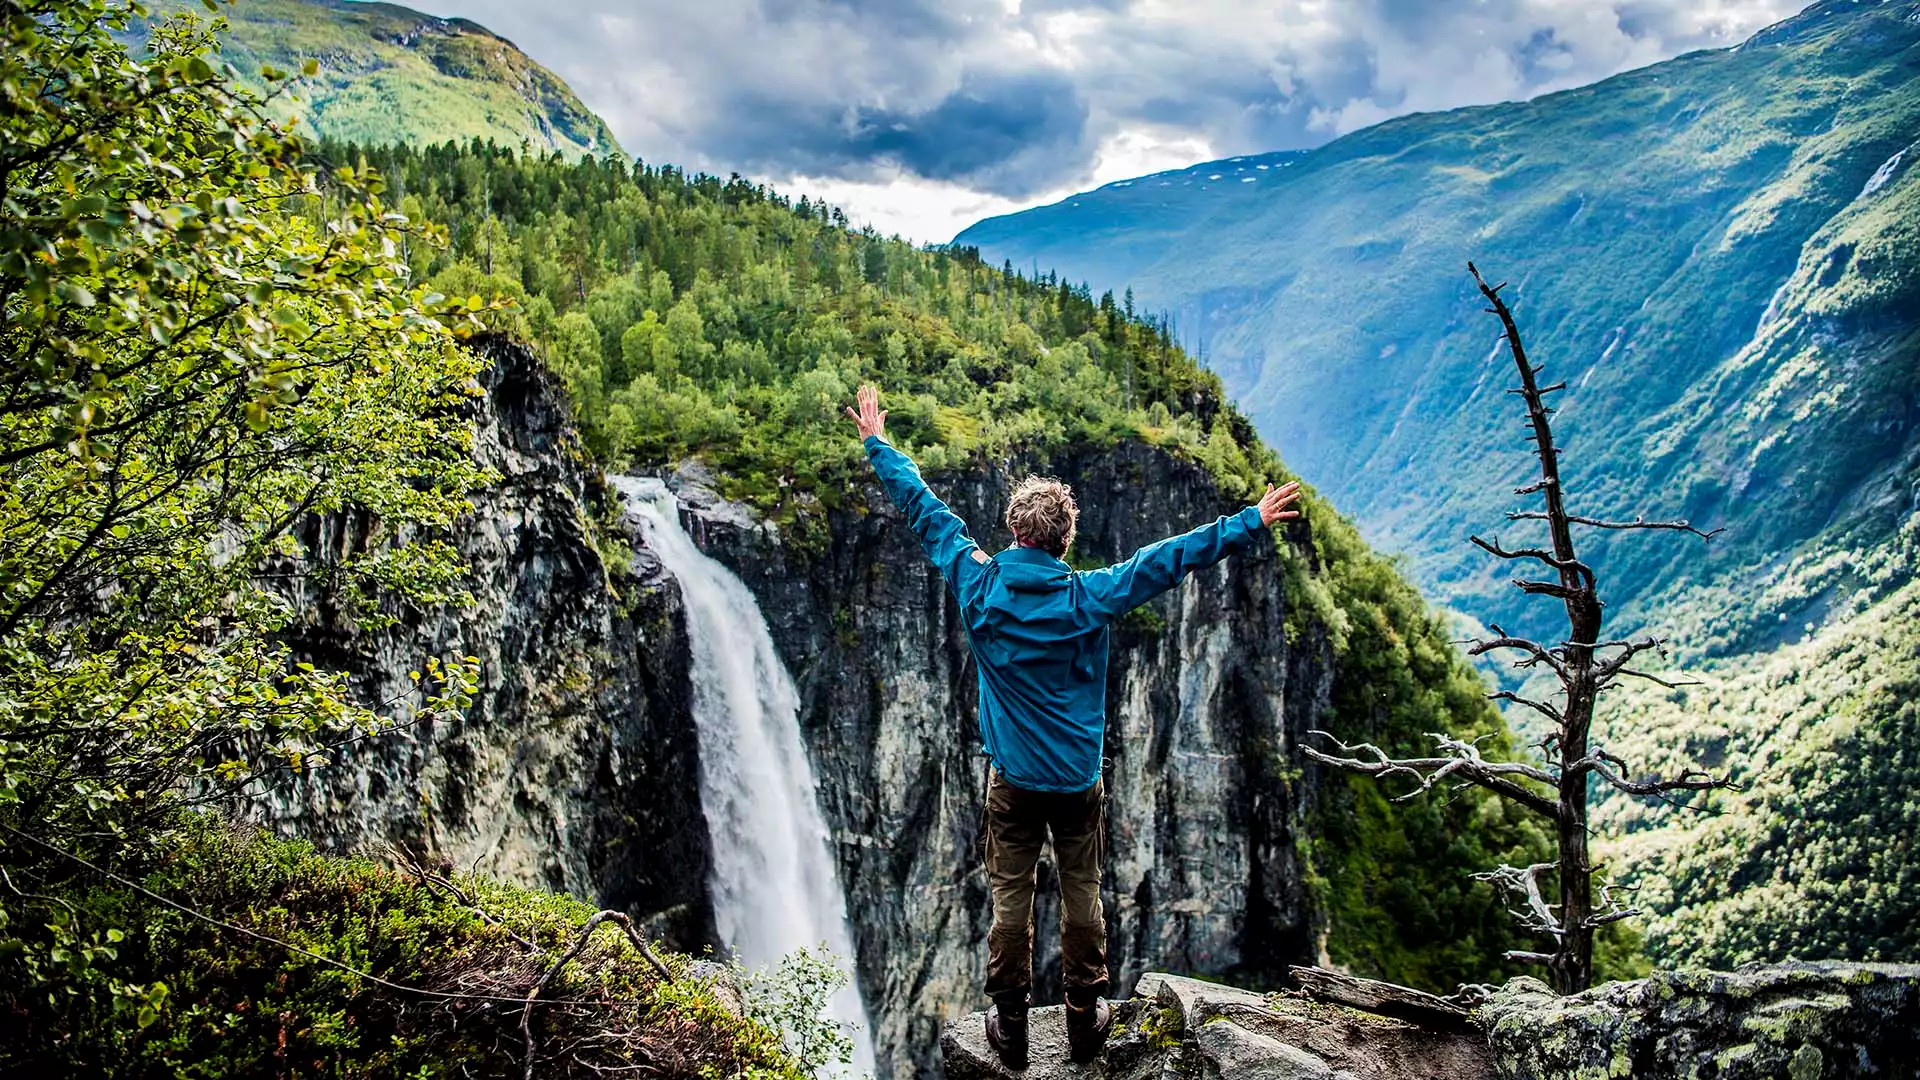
column 1720, row 255
column 391, row 74
column 1717, row 252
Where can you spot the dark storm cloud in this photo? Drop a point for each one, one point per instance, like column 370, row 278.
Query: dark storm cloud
column 1001, row 132
column 1015, row 100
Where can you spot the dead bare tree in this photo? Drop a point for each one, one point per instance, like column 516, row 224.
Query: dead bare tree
column 1584, row 665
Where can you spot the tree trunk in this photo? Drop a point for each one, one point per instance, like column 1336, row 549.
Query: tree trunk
column 1572, row 963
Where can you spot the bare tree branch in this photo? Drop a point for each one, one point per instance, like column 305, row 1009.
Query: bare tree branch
column 1524, row 882
column 1461, row 760
column 1574, row 565
column 1613, row 770
column 1612, row 665
column 579, row 945
column 1549, row 588
column 1586, row 666
column 1636, row 523
column 1523, row 957
column 1540, row 707
column 1611, row 910
column 1537, row 653
column 1674, row 685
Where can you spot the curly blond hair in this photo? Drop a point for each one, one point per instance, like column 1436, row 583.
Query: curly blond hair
column 1042, row 513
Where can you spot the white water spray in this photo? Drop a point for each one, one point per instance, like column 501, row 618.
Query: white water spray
column 775, row 888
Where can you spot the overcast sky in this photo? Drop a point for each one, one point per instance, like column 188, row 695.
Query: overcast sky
column 923, row 116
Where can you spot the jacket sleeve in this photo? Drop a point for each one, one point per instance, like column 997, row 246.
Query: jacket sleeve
column 940, row 530
column 1115, row 590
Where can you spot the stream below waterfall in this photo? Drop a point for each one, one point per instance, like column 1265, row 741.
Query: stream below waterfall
column 775, row 886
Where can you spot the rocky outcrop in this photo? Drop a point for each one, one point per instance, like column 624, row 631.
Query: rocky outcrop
column 1178, row 1027
column 1209, row 695
column 1798, row 1021
column 576, row 768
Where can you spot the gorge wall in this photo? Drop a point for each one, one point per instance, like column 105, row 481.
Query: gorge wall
column 576, row 769
column 1208, row 697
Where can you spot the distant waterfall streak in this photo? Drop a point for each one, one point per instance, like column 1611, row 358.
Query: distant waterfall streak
column 775, row 888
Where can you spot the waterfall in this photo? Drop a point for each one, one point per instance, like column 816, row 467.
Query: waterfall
column 774, row 885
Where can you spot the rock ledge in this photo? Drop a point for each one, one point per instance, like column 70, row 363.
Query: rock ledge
column 1800, row 1021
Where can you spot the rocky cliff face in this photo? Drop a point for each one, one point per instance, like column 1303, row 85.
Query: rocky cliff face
column 576, row 768
column 1208, row 699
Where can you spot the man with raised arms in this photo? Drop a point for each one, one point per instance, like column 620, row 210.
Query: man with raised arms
column 1038, row 630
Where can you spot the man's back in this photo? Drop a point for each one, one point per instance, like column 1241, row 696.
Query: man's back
column 1038, row 627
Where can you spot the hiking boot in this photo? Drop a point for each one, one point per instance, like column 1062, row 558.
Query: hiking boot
column 1007, row 1034
column 1087, row 1028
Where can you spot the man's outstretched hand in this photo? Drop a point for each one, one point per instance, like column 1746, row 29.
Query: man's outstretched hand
column 1273, row 505
column 871, row 419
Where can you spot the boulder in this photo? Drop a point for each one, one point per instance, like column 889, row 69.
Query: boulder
column 1795, row 1021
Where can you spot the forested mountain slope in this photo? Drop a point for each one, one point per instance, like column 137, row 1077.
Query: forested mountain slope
column 386, row 73
column 1721, row 256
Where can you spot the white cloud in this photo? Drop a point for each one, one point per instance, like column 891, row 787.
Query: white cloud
column 916, row 114
column 933, row 212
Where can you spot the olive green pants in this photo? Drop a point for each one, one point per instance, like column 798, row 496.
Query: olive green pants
column 1018, row 823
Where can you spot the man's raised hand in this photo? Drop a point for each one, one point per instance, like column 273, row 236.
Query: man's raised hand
column 871, row 419
column 1273, row 505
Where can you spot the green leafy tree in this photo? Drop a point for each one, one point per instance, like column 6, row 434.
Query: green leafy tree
column 207, row 342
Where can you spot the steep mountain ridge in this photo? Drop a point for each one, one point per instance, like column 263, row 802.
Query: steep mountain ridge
column 391, row 74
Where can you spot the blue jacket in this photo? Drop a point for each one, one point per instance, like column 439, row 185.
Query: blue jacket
column 1038, row 627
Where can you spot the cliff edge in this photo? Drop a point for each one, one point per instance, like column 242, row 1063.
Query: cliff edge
column 1797, row 1020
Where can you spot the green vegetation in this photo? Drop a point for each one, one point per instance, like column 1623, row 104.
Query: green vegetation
column 195, row 355
column 384, row 73
column 1720, row 255
column 184, row 998
column 1814, row 856
column 692, row 316
column 205, row 339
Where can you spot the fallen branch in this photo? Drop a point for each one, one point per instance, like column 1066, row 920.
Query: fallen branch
column 580, row 943
column 436, row 883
